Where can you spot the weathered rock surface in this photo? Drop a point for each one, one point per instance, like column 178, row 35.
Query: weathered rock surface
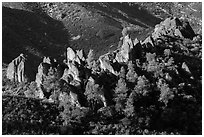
column 105, row 64
column 148, row 42
column 72, row 56
column 124, row 53
column 43, row 69
column 16, row 69
column 80, row 54
column 73, row 71
column 173, row 27
column 46, row 60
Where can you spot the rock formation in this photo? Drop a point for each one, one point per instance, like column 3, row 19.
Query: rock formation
column 173, row 27
column 72, row 56
column 80, row 54
column 43, row 69
column 73, row 71
column 105, row 64
column 127, row 46
column 70, row 73
column 148, row 42
column 16, row 69
column 46, row 60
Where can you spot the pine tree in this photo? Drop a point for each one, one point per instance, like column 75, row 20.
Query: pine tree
column 51, row 84
column 94, row 94
column 120, row 94
column 166, row 93
column 122, row 73
column 142, row 87
column 129, row 108
column 131, row 75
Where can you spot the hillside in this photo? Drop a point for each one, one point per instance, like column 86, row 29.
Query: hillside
column 140, row 72
column 38, row 29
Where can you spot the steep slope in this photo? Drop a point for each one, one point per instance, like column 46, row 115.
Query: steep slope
column 35, row 35
column 47, row 29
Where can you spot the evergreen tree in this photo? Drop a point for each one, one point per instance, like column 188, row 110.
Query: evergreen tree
column 51, row 84
column 122, row 73
column 120, row 94
column 165, row 92
column 142, row 87
column 129, row 108
column 94, row 94
column 131, row 75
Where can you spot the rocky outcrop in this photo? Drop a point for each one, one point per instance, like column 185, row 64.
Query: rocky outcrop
column 16, row 69
column 148, row 42
column 127, row 50
column 105, row 64
column 123, row 55
column 72, row 56
column 46, row 60
column 71, row 74
column 43, row 69
column 73, row 71
column 173, row 27
column 80, row 54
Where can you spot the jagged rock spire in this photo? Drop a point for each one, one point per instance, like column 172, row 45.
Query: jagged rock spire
column 16, row 69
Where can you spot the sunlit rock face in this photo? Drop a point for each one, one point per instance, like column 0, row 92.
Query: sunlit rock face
column 16, row 69
column 173, row 27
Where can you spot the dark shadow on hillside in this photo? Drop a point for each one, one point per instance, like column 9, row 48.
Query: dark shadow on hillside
column 131, row 13
column 33, row 34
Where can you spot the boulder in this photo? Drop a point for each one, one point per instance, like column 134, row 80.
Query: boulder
column 16, row 69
